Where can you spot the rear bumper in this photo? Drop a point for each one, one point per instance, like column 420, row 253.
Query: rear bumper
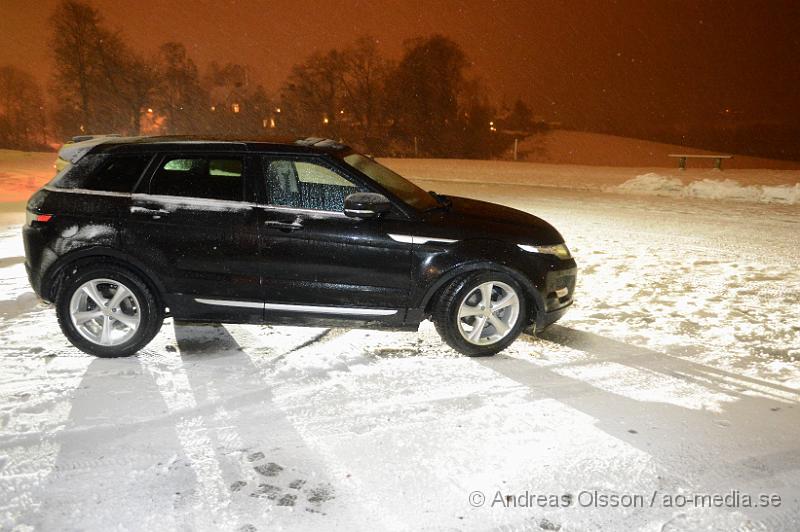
column 32, row 254
column 37, row 257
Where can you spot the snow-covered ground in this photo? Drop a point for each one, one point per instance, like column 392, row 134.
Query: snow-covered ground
column 675, row 375
column 21, row 173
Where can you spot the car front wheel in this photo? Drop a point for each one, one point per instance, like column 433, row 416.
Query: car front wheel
column 481, row 314
column 107, row 311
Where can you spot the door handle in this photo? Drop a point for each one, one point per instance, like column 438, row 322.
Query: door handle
column 285, row 226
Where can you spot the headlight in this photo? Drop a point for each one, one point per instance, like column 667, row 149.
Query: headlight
column 559, row 250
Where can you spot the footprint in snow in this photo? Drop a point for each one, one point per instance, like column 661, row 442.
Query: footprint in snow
column 283, row 494
column 238, row 485
column 268, row 470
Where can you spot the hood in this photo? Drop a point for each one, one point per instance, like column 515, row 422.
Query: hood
column 499, row 221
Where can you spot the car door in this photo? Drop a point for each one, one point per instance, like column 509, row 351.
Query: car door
column 318, row 261
column 194, row 223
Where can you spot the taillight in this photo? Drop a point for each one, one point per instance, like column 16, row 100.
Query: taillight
column 31, row 217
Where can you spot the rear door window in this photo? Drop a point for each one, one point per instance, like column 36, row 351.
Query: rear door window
column 219, row 178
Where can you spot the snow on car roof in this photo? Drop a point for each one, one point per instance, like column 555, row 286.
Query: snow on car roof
column 211, row 139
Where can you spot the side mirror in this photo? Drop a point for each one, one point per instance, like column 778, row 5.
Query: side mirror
column 366, row 205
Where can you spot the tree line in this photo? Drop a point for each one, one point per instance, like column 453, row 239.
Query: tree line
column 424, row 104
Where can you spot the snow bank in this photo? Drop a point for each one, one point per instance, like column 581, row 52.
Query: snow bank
column 750, row 185
column 598, row 149
column 725, row 189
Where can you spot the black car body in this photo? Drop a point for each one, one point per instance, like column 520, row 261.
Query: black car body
column 284, row 232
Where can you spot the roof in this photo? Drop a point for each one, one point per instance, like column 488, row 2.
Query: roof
column 109, row 143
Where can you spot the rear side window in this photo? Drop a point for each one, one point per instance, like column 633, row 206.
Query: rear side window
column 118, row 173
column 200, row 177
column 103, row 172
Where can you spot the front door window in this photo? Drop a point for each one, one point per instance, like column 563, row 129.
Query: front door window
column 306, row 185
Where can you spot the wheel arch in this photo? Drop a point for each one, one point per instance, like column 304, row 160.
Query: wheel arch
column 535, row 300
column 55, row 274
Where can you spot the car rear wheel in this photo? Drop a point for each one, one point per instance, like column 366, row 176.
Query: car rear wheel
column 107, row 311
column 481, row 314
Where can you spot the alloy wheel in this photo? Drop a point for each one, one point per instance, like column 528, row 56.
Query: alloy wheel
column 105, row 312
column 488, row 313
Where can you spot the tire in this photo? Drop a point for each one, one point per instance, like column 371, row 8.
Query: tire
column 462, row 291
column 132, row 322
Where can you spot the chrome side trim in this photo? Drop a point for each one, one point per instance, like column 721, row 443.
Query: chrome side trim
column 426, row 239
column 299, row 210
column 316, row 309
column 51, row 188
column 405, row 239
column 229, row 303
column 411, row 239
column 331, row 310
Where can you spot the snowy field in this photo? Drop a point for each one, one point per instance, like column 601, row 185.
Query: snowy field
column 675, row 375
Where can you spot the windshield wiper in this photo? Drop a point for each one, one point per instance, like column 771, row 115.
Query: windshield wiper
column 443, row 201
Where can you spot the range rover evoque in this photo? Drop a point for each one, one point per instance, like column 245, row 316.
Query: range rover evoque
column 294, row 232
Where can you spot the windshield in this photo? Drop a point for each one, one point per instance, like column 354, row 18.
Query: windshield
column 407, row 191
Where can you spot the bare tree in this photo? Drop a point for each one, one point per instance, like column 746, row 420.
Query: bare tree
column 22, row 122
column 97, row 74
column 314, row 94
column 228, row 87
column 364, row 80
column 180, row 96
column 75, row 34
column 339, row 93
column 256, row 112
column 124, row 84
column 425, row 91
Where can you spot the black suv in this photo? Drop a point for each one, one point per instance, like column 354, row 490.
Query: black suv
column 304, row 232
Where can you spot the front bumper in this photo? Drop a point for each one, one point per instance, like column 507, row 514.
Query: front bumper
column 559, row 288
column 555, row 291
column 543, row 319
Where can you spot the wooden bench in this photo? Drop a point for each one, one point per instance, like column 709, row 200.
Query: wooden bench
column 682, row 159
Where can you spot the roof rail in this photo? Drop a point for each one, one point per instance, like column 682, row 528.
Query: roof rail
column 73, row 150
column 320, row 143
column 82, row 138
